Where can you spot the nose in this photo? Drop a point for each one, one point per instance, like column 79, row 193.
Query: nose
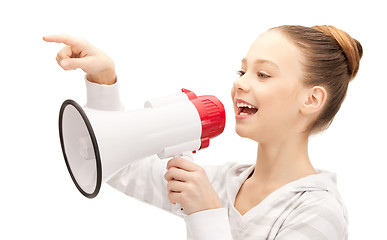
column 241, row 84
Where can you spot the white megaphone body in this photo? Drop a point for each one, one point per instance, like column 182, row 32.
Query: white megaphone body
column 96, row 144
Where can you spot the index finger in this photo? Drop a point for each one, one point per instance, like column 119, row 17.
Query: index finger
column 63, row 38
column 182, row 164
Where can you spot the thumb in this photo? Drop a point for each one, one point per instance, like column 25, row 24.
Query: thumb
column 72, row 63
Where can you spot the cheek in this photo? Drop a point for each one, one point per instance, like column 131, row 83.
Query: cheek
column 278, row 101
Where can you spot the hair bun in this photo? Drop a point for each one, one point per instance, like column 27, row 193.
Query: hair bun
column 352, row 48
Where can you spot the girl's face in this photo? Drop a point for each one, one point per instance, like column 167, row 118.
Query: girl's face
column 269, row 92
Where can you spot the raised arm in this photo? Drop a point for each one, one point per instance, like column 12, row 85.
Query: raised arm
column 102, row 92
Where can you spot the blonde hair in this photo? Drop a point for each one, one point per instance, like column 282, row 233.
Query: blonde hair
column 331, row 59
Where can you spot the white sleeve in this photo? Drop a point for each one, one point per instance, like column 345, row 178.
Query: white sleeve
column 103, row 97
column 209, row 225
column 144, row 180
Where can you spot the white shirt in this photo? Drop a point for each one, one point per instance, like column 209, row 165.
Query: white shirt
column 308, row 208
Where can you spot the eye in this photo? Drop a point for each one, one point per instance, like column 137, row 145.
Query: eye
column 263, row 75
column 240, row 73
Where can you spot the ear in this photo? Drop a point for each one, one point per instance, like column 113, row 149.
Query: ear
column 314, row 100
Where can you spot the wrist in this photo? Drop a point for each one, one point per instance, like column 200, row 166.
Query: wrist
column 107, row 77
column 215, row 204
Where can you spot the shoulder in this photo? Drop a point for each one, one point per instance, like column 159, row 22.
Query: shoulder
column 320, row 215
column 324, row 204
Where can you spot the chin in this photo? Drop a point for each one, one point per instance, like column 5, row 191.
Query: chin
column 240, row 132
column 247, row 133
column 243, row 132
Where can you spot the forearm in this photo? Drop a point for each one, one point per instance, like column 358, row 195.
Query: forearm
column 103, row 97
column 143, row 180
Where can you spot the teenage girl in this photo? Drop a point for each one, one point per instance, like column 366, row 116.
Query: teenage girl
column 291, row 84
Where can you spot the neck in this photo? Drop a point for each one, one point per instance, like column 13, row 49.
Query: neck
column 282, row 162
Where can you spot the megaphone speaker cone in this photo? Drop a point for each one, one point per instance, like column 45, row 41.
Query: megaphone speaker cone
column 80, row 148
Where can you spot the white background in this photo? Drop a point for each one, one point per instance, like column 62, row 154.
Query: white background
column 160, row 47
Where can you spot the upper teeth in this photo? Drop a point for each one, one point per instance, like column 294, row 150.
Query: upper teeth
column 240, row 104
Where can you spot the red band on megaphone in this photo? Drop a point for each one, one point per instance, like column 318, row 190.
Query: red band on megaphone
column 212, row 115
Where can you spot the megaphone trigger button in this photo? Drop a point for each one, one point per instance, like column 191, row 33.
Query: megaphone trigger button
column 191, row 95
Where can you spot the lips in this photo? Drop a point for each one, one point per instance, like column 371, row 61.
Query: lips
column 245, row 109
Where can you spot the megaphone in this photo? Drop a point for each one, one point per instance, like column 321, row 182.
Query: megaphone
column 96, row 144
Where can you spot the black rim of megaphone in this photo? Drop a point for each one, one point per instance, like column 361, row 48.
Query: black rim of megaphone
column 95, row 147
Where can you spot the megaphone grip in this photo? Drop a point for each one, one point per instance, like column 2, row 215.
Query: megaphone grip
column 187, row 156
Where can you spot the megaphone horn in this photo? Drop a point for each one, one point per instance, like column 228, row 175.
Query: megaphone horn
column 96, row 144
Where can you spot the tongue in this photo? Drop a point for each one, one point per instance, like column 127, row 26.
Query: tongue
column 249, row 110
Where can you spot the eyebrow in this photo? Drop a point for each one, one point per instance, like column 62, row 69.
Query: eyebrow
column 262, row 61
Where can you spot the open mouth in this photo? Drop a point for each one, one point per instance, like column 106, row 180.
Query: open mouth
column 245, row 109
